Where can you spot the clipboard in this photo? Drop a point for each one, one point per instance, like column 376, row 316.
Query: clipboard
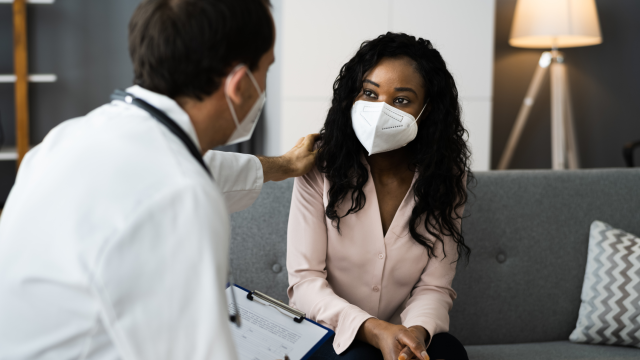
column 271, row 329
column 298, row 316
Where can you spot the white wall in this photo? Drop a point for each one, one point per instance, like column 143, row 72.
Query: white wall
column 315, row 38
column 272, row 114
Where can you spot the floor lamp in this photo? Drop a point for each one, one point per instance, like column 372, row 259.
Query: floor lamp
column 552, row 24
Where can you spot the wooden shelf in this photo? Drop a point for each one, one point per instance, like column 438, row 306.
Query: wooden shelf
column 34, row 78
column 8, row 154
column 29, row 1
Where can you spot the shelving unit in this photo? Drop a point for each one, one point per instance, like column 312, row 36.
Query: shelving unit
column 29, row 1
column 21, row 79
column 34, row 78
column 8, row 154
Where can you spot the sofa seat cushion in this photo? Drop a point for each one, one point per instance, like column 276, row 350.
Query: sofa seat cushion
column 557, row 350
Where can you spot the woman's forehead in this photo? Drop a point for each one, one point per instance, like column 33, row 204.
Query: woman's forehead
column 395, row 71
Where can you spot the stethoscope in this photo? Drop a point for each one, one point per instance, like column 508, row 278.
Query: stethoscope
column 165, row 120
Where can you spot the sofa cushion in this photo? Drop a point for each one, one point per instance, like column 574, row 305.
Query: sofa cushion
column 610, row 310
column 259, row 241
column 556, row 350
column 529, row 233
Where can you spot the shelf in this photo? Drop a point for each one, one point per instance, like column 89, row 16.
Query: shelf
column 8, row 154
column 29, row 1
column 35, row 78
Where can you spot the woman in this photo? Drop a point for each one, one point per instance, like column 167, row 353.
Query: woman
column 374, row 230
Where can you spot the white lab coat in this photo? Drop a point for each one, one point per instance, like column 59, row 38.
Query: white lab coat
column 114, row 242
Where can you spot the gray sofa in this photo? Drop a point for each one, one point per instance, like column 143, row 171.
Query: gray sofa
column 528, row 230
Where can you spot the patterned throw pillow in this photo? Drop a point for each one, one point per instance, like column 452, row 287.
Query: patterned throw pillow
column 610, row 309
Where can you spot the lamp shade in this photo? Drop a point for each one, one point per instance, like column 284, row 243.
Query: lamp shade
column 555, row 23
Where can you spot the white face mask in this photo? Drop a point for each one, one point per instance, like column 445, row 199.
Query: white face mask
column 244, row 129
column 380, row 127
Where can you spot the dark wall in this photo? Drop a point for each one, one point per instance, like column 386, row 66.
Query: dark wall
column 84, row 43
column 605, row 86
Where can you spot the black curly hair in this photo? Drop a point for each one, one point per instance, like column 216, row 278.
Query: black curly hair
column 439, row 152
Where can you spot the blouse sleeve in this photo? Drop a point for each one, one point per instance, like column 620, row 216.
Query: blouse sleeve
column 309, row 290
column 432, row 297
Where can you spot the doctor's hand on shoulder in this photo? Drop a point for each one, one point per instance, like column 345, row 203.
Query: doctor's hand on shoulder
column 296, row 162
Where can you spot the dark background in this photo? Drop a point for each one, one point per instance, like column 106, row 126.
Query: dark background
column 85, row 44
column 604, row 82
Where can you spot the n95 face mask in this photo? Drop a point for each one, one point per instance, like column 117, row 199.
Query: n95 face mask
column 380, row 127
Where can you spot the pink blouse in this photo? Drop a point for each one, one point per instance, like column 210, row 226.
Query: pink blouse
column 341, row 280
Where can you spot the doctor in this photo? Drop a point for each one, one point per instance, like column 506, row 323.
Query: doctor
column 114, row 241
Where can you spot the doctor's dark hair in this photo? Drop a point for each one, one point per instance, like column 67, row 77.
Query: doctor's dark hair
column 186, row 47
column 439, row 152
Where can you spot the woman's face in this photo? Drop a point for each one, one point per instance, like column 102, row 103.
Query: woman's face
column 396, row 82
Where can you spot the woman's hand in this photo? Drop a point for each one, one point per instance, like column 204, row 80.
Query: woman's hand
column 395, row 341
column 420, row 333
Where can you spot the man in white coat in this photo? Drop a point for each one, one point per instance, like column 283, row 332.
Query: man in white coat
column 114, row 240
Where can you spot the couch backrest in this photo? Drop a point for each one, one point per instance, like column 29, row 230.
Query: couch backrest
column 259, row 241
column 528, row 231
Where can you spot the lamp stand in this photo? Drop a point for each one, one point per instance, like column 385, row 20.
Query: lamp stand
column 564, row 154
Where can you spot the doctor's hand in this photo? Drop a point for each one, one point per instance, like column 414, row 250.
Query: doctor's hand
column 296, row 162
column 395, row 341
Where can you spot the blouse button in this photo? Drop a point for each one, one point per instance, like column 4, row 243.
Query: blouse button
column 376, row 289
column 381, row 256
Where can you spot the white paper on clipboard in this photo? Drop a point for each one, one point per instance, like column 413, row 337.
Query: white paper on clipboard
column 267, row 334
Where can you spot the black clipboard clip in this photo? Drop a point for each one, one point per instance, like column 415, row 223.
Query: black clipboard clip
column 285, row 309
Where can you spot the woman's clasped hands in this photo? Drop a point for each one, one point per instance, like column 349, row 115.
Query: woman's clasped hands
column 396, row 342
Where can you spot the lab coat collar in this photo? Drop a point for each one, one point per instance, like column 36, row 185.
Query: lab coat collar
column 170, row 108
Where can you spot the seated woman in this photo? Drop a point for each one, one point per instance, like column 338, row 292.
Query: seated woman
column 374, row 230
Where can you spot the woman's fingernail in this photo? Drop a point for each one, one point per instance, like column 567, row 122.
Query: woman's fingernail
column 424, row 355
column 402, row 357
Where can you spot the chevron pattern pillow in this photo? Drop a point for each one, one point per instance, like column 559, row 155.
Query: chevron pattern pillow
column 610, row 309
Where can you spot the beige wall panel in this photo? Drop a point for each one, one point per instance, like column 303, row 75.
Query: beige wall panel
column 318, row 37
column 476, row 115
column 462, row 30
column 301, row 117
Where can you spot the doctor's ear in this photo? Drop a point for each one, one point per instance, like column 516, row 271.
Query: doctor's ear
column 235, row 86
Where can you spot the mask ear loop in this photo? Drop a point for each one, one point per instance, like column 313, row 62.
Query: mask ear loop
column 253, row 80
column 421, row 111
column 226, row 95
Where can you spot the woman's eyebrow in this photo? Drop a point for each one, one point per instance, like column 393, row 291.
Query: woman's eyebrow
column 371, row 82
column 406, row 89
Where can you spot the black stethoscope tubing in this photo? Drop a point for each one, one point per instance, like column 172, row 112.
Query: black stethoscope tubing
column 165, row 120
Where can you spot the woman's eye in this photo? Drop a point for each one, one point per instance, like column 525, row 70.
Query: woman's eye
column 401, row 101
column 369, row 93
